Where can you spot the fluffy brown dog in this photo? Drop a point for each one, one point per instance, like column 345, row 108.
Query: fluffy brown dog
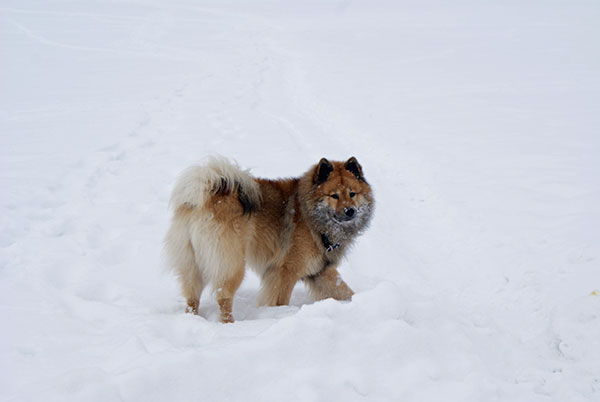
column 287, row 230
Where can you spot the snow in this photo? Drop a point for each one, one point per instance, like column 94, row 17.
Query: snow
column 475, row 122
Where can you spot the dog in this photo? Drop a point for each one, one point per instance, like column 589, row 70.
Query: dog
column 287, row 230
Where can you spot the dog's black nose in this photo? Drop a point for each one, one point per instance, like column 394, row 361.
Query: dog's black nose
column 349, row 212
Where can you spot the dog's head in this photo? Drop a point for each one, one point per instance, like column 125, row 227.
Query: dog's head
column 341, row 197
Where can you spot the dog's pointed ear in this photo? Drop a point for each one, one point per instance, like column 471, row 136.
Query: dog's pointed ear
column 354, row 167
column 324, row 168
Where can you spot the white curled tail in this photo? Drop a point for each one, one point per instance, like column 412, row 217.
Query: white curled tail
column 198, row 183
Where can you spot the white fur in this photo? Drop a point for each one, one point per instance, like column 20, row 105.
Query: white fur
column 214, row 257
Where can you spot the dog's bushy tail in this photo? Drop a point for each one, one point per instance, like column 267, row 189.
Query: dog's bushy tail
column 197, row 184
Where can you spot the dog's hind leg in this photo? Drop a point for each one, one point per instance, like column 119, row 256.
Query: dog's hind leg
column 328, row 283
column 225, row 290
column 228, row 269
column 191, row 280
column 182, row 259
column 192, row 286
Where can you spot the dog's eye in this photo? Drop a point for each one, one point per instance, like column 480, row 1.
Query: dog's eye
column 335, row 196
column 352, row 194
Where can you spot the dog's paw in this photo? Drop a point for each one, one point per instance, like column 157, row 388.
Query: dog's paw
column 192, row 307
column 227, row 318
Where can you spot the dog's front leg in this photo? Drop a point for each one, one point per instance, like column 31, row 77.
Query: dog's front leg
column 328, row 283
column 277, row 285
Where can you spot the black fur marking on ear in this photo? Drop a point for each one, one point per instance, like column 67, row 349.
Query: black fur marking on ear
column 324, row 168
column 354, row 167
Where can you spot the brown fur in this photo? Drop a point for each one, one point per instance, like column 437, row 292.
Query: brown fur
column 224, row 218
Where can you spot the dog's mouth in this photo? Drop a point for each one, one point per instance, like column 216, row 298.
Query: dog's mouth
column 342, row 219
column 336, row 220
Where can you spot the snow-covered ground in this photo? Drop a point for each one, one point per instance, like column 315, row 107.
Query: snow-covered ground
column 476, row 122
